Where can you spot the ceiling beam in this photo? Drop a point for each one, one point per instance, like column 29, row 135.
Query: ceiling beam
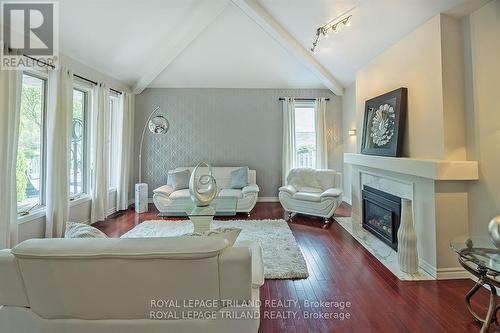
column 175, row 43
column 272, row 27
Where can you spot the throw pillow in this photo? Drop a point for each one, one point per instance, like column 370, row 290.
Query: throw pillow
column 82, row 230
column 229, row 234
column 239, row 178
column 179, row 180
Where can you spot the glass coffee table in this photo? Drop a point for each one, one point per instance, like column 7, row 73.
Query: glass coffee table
column 482, row 259
column 203, row 216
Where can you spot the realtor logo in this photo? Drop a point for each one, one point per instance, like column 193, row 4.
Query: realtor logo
column 29, row 34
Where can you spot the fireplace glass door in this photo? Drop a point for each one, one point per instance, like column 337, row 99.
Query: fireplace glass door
column 381, row 215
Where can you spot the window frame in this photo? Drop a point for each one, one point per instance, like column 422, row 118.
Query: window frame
column 43, row 76
column 87, row 91
column 309, row 104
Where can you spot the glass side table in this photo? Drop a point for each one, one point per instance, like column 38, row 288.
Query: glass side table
column 482, row 259
column 203, row 216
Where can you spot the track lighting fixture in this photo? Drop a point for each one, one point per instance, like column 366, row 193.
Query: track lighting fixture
column 334, row 26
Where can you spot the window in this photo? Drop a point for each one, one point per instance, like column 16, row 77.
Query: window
column 30, row 156
column 114, row 103
column 78, row 167
column 305, row 134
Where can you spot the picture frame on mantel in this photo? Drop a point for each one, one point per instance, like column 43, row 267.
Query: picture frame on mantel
column 384, row 124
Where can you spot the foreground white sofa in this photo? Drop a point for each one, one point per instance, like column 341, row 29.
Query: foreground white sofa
column 108, row 285
column 170, row 202
column 315, row 192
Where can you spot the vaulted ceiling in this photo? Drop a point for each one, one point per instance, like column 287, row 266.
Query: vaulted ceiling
column 238, row 43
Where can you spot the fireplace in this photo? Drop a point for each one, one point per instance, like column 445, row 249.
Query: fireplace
column 381, row 215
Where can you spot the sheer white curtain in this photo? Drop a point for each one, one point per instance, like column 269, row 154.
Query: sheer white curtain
column 59, row 118
column 321, row 134
column 288, row 156
column 10, row 109
column 100, row 154
column 125, row 144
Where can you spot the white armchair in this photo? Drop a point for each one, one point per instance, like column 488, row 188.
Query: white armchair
column 312, row 192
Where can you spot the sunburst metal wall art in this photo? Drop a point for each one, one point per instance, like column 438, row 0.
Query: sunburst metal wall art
column 383, row 125
column 384, row 121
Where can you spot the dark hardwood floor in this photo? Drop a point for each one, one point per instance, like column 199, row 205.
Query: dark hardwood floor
column 342, row 270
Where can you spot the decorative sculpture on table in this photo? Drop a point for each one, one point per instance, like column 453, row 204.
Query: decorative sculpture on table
column 202, row 188
column 494, row 230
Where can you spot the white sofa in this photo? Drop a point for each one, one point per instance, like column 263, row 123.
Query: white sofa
column 170, row 202
column 315, row 192
column 108, row 285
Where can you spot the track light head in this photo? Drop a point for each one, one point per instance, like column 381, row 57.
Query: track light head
column 347, row 21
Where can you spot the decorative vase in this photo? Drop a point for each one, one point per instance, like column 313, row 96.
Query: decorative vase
column 494, row 230
column 203, row 188
column 407, row 240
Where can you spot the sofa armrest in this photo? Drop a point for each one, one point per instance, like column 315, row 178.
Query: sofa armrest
column 235, row 274
column 257, row 262
column 290, row 189
column 165, row 190
column 331, row 192
column 12, row 291
column 252, row 188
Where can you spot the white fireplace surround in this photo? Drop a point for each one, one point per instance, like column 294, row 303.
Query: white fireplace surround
column 438, row 192
column 386, row 184
column 425, row 168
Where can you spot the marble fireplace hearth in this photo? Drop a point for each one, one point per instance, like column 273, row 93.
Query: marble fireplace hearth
column 438, row 190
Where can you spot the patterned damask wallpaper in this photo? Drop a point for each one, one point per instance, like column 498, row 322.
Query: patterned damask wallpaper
column 225, row 127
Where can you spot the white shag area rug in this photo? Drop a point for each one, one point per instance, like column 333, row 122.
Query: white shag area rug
column 281, row 254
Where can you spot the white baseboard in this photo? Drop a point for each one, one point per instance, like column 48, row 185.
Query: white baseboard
column 268, row 199
column 430, row 269
column 453, row 273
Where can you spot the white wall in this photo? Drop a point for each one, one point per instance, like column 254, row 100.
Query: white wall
column 349, row 143
column 483, row 112
column 92, row 74
column 429, row 62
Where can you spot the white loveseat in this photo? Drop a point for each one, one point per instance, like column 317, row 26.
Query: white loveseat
column 315, row 192
column 118, row 285
column 170, row 202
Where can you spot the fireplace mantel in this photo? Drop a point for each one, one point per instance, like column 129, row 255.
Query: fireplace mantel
column 431, row 169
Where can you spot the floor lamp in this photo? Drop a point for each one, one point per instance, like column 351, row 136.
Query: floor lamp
column 156, row 125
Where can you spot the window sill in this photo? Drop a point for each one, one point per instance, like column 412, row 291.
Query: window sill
column 40, row 212
column 82, row 199
column 33, row 215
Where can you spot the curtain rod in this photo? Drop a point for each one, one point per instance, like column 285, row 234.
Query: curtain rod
column 75, row 75
column 302, row 99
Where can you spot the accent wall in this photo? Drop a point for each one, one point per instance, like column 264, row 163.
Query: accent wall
column 224, row 127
